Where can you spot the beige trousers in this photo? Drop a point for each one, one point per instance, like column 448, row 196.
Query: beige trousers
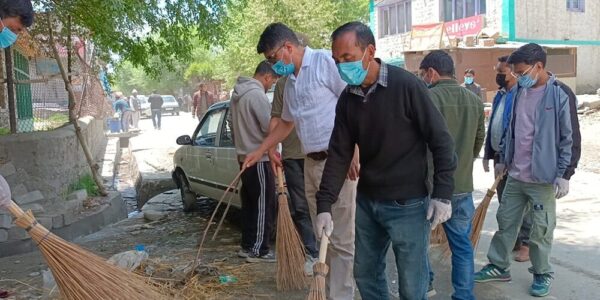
column 340, row 254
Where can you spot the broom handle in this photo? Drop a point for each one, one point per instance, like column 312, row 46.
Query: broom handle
column 323, row 248
column 280, row 179
column 14, row 209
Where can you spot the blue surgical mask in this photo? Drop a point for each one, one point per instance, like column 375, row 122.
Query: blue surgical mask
column 469, row 80
column 7, row 37
column 526, row 81
column 352, row 72
column 283, row 69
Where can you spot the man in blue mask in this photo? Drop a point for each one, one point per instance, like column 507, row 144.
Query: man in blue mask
column 470, row 84
column 389, row 114
column 311, row 93
column 539, row 152
column 15, row 16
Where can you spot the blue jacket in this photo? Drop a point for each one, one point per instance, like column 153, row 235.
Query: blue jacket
column 554, row 151
column 489, row 152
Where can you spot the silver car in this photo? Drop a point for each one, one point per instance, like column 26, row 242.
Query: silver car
column 170, row 105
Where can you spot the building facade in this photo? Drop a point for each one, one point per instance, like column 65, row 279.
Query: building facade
column 548, row 22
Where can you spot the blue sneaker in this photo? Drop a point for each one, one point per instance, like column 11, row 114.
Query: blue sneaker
column 541, row 285
column 492, row 273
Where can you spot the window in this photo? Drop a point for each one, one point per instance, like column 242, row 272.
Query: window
column 207, row 135
column 576, row 5
column 394, row 18
column 227, row 131
column 459, row 9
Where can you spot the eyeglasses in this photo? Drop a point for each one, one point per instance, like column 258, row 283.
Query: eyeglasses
column 271, row 58
column 522, row 74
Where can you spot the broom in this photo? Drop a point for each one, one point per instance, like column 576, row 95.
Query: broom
column 438, row 236
column 291, row 254
column 80, row 274
column 320, row 270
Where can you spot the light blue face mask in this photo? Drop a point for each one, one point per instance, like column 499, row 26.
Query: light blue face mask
column 469, row 80
column 526, row 81
column 352, row 72
column 283, row 69
column 7, row 37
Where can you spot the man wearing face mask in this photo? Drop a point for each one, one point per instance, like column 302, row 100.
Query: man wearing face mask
column 540, row 151
column 463, row 112
column 251, row 113
column 311, row 93
column 470, row 84
column 15, row 16
column 389, row 114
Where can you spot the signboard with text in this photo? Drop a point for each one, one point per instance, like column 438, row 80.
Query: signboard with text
column 463, row 27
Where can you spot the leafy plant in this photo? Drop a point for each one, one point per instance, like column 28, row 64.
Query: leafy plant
column 4, row 131
column 87, row 183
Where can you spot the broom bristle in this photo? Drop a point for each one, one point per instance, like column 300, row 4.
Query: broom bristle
column 81, row 274
column 479, row 218
column 317, row 288
column 290, row 251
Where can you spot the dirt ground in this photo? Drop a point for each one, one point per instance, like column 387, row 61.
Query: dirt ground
column 590, row 142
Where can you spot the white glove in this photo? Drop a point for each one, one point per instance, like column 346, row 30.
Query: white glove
column 499, row 170
column 439, row 211
column 561, row 187
column 4, row 193
column 486, row 165
column 324, row 224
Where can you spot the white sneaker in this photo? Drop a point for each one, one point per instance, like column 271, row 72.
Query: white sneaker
column 309, row 264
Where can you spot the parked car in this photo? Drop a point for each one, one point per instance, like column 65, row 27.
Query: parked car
column 170, row 105
column 145, row 106
column 206, row 162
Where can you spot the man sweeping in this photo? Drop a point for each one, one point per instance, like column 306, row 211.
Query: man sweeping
column 463, row 112
column 311, row 94
column 251, row 113
column 388, row 112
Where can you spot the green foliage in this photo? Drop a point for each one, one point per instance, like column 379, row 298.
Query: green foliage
column 4, row 131
column 87, row 183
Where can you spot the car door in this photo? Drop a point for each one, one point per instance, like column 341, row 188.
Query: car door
column 226, row 162
column 203, row 177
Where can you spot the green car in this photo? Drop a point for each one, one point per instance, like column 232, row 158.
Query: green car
column 206, row 162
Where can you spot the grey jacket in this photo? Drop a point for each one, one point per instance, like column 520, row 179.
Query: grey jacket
column 251, row 113
column 553, row 137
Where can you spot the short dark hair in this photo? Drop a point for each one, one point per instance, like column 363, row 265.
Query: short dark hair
column 503, row 59
column 470, row 71
column 439, row 61
column 528, row 54
column 274, row 35
column 364, row 35
column 17, row 8
column 264, row 68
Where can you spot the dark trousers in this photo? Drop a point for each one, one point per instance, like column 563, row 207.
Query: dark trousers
column 258, row 208
column 125, row 120
column 294, row 177
column 156, row 116
column 523, row 237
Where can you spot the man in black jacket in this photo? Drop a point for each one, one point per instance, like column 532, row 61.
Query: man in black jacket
column 389, row 114
column 156, row 102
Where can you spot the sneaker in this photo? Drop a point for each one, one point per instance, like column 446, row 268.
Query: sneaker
column 243, row 253
column 267, row 258
column 541, row 285
column 492, row 273
column 431, row 291
column 309, row 265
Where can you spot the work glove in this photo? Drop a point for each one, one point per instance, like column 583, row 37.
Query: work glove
column 439, row 211
column 324, row 224
column 4, row 193
column 486, row 165
column 561, row 187
column 499, row 170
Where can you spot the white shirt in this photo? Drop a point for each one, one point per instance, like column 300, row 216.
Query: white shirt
column 310, row 99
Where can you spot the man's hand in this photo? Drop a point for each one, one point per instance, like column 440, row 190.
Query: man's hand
column 5, row 196
column 439, row 211
column 252, row 159
column 499, row 170
column 561, row 187
column 324, row 224
column 354, row 170
column 486, row 165
column 275, row 159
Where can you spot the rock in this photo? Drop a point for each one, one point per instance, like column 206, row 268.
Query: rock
column 78, row 195
column 147, row 226
column 18, row 190
column 69, row 217
column 5, row 222
column 35, row 208
column 153, row 215
column 46, row 221
column 128, row 260
column 17, row 233
column 17, row 262
column 7, row 169
column 58, row 221
column 34, row 274
column 31, row 197
column 3, row 235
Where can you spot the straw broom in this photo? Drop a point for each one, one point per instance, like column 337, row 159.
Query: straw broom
column 320, row 270
column 80, row 274
column 291, row 254
column 438, row 235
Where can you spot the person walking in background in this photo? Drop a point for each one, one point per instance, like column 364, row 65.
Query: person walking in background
column 540, row 150
column 15, row 17
column 202, row 100
column 156, row 102
column 122, row 107
column 310, row 96
column 293, row 164
column 134, row 102
column 463, row 112
column 250, row 111
column 470, row 84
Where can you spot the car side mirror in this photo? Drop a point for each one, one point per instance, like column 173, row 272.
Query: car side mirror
column 184, row 140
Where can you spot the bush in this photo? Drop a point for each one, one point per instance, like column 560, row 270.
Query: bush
column 4, row 131
column 85, row 183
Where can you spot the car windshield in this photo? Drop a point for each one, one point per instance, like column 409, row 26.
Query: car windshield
column 169, row 99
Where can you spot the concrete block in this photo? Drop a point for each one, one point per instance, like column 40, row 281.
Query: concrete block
column 74, row 205
column 58, row 221
column 3, row 235
column 37, row 209
column 45, row 221
column 69, row 217
column 18, row 190
column 153, row 215
column 78, row 195
column 5, row 221
column 17, row 233
column 7, row 169
column 31, row 197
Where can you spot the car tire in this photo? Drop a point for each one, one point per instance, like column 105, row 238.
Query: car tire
column 187, row 196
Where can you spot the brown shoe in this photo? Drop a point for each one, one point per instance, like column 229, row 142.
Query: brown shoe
column 523, row 254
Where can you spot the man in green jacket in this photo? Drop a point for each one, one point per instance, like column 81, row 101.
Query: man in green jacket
column 463, row 112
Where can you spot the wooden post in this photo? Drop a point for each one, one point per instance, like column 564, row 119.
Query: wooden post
column 10, row 89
